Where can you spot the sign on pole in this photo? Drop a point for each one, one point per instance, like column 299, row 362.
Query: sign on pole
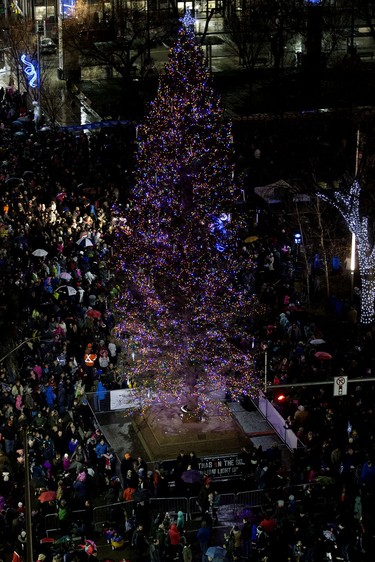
column 340, row 386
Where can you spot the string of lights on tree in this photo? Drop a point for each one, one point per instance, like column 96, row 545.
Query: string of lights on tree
column 182, row 307
column 348, row 204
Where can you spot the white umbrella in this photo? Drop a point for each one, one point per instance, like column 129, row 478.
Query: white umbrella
column 40, row 253
column 65, row 275
column 318, row 341
column 70, row 290
column 84, row 242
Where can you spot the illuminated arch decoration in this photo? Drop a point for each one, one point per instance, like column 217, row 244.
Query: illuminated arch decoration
column 31, row 72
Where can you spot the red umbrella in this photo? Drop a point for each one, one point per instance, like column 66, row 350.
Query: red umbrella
column 91, row 313
column 47, row 496
column 323, row 355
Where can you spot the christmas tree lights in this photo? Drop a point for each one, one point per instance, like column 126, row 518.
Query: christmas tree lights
column 182, row 308
column 348, row 204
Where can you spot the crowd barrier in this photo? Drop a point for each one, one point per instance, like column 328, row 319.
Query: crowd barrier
column 189, row 506
column 225, row 500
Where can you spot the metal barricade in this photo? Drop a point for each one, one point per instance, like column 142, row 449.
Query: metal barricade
column 225, row 500
column 105, row 513
column 253, row 498
column 170, row 505
column 220, row 505
column 51, row 522
column 194, row 507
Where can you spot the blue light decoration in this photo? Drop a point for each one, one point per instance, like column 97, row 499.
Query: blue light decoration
column 31, row 72
column 188, row 20
column 67, row 7
column 218, row 226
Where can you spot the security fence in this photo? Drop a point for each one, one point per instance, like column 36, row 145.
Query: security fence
column 225, row 500
column 234, row 505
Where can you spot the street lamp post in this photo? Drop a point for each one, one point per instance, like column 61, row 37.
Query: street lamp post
column 29, row 528
column 265, row 349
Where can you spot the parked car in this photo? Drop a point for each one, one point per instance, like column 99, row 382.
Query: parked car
column 47, row 46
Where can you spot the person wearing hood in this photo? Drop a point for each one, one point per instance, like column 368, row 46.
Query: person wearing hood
column 22, row 542
column 174, row 537
column 180, row 521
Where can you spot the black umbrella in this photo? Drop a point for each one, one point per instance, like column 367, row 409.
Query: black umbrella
column 141, row 495
column 38, row 482
column 13, row 181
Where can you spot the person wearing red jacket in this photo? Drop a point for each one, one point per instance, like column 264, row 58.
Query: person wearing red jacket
column 174, row 537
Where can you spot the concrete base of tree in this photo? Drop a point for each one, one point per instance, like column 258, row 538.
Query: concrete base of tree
column 163, row 433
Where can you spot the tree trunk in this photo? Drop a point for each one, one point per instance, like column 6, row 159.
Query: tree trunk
column 322, row 246
column 367, row 274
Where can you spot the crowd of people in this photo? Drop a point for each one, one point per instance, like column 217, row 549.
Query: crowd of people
column 56, row 298
column 57, row 291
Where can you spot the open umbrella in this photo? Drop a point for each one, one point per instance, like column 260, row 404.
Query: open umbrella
column 251, row 239
column 38, row 482
column 84, row 242
column 317, row 341
column 65, row 275
column 13, row 180
column 216, row 552
column 92, row 313
column 70, row 290
column 323, row 356
column 141, row 495
column 274, row 192
column 40, row 253
column 191, row 476
column 47, row 496
column 63, row 540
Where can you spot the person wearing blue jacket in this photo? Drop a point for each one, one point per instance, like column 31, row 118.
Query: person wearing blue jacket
column 100, row 395
column 50, row 396
column 203, row 536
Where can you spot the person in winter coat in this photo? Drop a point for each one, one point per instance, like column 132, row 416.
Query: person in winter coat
column 140, row 544
column 203, row 536
column 187, row 553
column 180, row 521
column 235, row 534
column 63, row 515
column 174, row 537
column 78, row 458
column 100, row 395
column 100, row 450
column 367, row 477
column 50, row 396
column 80, row 489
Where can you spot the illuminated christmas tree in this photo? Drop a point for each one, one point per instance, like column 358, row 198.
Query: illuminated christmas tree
column 182, row 309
